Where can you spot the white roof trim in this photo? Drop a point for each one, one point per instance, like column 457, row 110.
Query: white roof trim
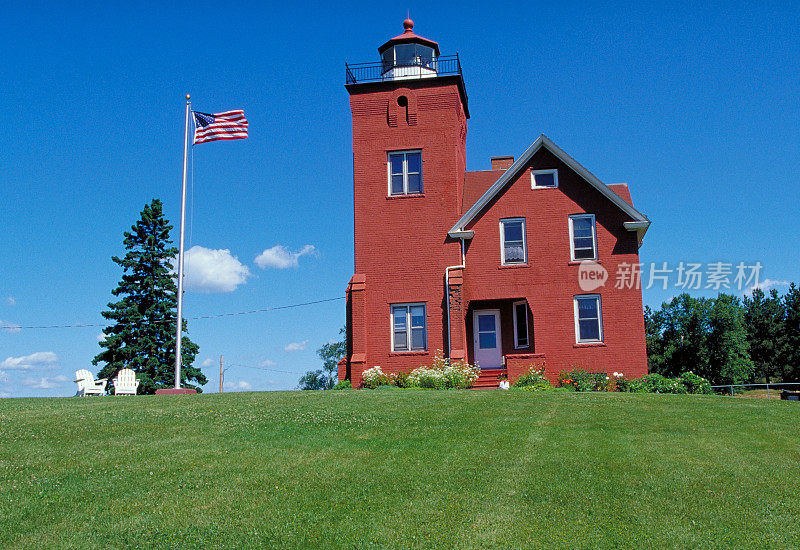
column 458, row 231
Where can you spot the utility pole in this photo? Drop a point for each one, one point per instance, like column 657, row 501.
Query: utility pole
column 221, row 374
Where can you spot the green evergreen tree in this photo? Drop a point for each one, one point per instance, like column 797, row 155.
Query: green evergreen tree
column 142, row 337
column 764, row 321
column 791, row 348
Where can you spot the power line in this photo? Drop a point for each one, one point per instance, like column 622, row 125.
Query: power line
column 261, row 368
column 13, row 327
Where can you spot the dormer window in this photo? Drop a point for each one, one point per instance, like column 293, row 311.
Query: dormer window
column 405, row 173
column 543, row 179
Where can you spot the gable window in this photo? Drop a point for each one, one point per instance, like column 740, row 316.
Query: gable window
column 542, row 179
column 588, row 319
column 405, row 173
column 520, row 325
column 583, row 237
column 409, row 327
column 512, row 241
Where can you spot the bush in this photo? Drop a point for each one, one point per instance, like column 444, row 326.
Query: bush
column 582, row 380
column 444, row 375
column 657, row 383
column 695, row 383
column 402, row 380
column 533, row 380
column 374, row 377
column 343, row 385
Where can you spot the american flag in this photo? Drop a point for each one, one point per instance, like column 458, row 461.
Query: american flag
column 227, row 125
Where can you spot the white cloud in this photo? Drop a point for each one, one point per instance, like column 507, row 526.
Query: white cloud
column 11, row 301
column 45, row 383
column 205, row 364
column 3, row 376
column 207, row 270
column 296, row 346
column 101, row 336
column 8, row 326
column 267, row 363
column 766, row 285
column 38, row 360
column 240, row 385
column 4, row 394
column 281, row 257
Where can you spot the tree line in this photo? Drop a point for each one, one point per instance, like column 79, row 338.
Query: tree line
column 725, row 339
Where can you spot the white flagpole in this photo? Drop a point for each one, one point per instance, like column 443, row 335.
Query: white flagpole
column 179, row 328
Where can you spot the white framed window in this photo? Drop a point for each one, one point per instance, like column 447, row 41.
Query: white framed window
column 544, row 179
column 588, row 319
column 520, row 325
column 409, row 327
column 405, row 172
column 513, row 247
column 582, row 237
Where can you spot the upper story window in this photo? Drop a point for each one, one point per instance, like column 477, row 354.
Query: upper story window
column 543, row 179
column 513, row 248
column 582, row 237
column 409, row 327
column 405, row 173
column 588, row 319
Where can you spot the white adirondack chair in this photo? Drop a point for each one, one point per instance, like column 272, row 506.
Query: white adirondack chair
column 125, row 383
column 87, row 385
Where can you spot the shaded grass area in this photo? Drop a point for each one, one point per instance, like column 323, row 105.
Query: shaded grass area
column 391, row 469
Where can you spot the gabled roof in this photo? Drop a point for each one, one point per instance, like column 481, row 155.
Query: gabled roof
column 639, row 222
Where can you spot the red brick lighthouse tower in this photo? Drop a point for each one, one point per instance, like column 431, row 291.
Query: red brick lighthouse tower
column 409, row 134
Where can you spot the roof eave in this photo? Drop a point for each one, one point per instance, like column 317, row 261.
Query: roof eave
column 640, row 227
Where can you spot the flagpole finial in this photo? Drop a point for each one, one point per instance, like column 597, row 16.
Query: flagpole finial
column 188, row 97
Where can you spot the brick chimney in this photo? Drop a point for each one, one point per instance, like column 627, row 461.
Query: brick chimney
column 502, row 163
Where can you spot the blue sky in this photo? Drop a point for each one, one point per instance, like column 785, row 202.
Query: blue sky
column 695, row 107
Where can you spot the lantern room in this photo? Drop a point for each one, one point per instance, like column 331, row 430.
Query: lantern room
column 408, row 56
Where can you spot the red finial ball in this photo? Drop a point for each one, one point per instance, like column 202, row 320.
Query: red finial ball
column 408, row 24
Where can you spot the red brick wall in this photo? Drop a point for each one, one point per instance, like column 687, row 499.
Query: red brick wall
column 401, row 244
column 550, row 280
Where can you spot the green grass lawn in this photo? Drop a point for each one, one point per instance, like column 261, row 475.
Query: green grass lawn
column 378, row 469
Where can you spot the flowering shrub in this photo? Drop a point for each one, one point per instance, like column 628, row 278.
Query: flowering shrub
column 374, row 377
column 688, row 382
column 443, row 375
column 656, row 383
column 401, row 380
column 580, row 380
column 533, row 380
column 695, row 383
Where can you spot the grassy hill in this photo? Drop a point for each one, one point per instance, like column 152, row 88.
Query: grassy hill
column 377, row 469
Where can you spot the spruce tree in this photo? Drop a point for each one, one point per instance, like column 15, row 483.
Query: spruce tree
column 791, row 348
column 764, row 320
column 142, row 337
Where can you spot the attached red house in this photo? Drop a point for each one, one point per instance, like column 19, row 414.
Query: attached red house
column 482, row 265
